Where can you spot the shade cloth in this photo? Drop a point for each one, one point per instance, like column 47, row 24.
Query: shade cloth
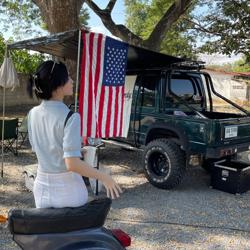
column 8, row 79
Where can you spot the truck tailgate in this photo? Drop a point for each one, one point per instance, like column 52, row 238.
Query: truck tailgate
column 233, row 130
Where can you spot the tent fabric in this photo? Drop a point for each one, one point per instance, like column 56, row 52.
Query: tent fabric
column 65, row 45
column 8, row 74
column 8, row 79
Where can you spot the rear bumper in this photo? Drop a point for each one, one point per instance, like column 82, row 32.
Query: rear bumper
column 224, row 151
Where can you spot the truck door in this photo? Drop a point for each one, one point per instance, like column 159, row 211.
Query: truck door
column 145, row 105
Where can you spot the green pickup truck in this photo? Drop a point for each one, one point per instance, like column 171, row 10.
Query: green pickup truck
column 175, row 120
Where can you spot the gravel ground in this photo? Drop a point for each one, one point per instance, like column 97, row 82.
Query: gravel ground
column 192, row 216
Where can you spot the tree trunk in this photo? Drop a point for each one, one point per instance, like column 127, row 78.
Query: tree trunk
column 61, row 16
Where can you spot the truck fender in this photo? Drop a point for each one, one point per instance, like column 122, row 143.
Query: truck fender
column 157, row 128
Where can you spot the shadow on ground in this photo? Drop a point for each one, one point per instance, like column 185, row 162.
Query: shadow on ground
column 191, row 216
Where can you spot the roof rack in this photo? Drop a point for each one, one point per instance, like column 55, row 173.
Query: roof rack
column 189, row 65
column 184, row 65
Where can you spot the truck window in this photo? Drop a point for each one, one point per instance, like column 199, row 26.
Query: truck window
column 182, row 87
column 188, row 89
column 149, row 84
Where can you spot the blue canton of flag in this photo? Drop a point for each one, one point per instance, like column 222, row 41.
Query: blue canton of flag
column 115, row 62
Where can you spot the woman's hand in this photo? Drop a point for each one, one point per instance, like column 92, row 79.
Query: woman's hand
column 74, row 164
column 112, row 188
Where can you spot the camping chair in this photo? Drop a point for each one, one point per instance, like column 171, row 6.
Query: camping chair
column 10, row 134
column 23, row 131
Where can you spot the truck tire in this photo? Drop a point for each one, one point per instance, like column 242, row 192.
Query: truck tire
column 164, row 163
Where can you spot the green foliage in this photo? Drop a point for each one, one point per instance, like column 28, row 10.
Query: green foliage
column 143, row 15
column 228, row 27
column 26, row 62
column 2, row 48
column 23, row 17
column 181, row 45
column 155, row 11
column 136, row 16
column 211, row 26
column 241, row 66
column 23, row 60
column 84, row 17
column 219, row 26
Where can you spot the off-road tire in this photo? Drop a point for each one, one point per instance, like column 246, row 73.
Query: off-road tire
column 164, row 163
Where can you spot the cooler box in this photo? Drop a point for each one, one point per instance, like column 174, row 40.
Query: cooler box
column 231, row 176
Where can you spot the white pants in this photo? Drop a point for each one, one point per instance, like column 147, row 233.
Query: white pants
column 59, row 190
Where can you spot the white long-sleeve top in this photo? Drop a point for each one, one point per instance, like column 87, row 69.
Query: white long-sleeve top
column 49, row 139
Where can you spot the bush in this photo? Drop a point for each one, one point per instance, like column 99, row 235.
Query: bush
column 24, row 61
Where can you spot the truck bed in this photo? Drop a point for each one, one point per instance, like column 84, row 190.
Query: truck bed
column 220, row 115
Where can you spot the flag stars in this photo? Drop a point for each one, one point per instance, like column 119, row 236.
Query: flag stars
column 114, row 63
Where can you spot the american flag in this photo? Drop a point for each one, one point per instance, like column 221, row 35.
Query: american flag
column 101, row 99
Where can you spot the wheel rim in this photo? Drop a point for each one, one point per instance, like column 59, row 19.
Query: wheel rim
column 159, row 164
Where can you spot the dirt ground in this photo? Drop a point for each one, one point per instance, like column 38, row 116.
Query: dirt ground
column 192, row 216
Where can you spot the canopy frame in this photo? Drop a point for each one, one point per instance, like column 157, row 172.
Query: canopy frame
column 66, row 45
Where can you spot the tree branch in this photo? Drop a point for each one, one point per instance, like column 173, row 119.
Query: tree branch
column 199, row 27
column 43, row 9
column 177, row 9
column 117, row 30
column 111, row 5
column 95, row 8
column 35, row 2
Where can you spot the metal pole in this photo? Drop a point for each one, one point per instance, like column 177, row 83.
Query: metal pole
column 6, row 56
column 3, row 129
column 97, row 166
column 77, row 69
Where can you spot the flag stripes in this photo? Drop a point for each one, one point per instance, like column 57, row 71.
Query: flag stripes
column 100, row 105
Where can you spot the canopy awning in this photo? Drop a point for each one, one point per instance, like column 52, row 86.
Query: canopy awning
column 65, row 45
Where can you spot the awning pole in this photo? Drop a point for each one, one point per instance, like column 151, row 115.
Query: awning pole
column 2, row 141
column 77, row 69
column 3, row 131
